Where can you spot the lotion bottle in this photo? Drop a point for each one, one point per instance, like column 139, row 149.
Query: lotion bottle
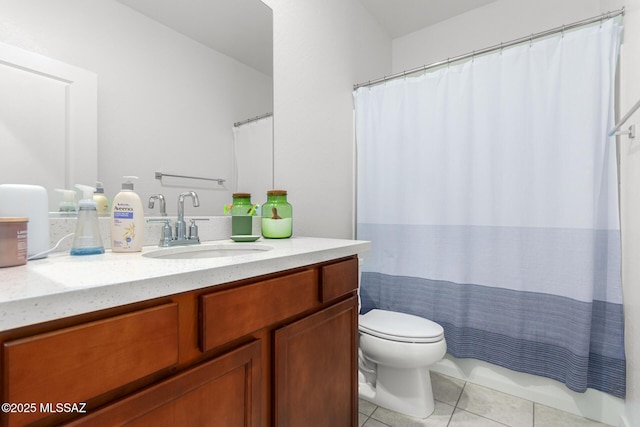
column 127, row 220
column 102, row 203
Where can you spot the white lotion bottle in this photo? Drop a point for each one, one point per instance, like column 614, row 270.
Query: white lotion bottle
column 102, row 203
column 127, row 220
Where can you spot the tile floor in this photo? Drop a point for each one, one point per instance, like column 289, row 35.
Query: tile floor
column 462, row 404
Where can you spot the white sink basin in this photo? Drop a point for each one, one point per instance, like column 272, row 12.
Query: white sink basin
column 215, row 250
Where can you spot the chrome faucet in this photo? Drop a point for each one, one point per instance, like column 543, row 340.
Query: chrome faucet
column 181, row 236
column 163, row 205
column 181, row 226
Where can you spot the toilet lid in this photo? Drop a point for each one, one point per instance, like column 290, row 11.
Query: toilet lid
column 401, row 327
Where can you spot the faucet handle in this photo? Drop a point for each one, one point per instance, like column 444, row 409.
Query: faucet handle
column 193, row 228
column 166, row 235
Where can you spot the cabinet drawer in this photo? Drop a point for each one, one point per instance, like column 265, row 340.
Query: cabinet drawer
column 234, row 313
column 338, row 279
column 80, row 362
column 224, row 391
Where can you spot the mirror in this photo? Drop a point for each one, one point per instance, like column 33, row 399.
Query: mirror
column 173, row 76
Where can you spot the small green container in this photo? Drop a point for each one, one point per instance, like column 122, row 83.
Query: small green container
column 240, row 214
column 241, row 204
column 277, row 216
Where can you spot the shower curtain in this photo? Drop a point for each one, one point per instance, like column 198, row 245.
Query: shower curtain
column 253, row 158
column 489, row 192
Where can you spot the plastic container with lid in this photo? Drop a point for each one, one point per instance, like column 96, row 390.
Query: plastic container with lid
column 32, row 202
column 13, row 241
column 277, row 216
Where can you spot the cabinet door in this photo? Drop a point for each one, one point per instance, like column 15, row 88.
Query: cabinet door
column 316, row 369
column 222, row 392
column 82, row 362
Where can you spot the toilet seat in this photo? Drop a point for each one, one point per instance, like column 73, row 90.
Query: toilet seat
column 400, row 327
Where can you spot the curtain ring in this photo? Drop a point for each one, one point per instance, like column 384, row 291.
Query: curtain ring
column 473, row 56
column 500, row 48
column 531, row 40
column 562, row 30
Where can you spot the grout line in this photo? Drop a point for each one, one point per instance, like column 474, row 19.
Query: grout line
column 461, row 391
column 456, row 404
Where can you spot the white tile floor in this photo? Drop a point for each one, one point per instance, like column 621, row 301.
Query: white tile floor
column 462, row 404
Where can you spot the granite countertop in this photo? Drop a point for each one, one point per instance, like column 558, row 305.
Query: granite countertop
column 61, row 285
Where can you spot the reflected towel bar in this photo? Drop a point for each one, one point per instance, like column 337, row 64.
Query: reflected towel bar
column 632, row 129
column 253, row 119
column 159, row 175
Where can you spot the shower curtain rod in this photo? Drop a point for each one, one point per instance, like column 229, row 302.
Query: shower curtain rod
column 500, row 46
column 244, row 122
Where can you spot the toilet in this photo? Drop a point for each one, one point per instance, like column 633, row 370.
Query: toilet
column 396, row 350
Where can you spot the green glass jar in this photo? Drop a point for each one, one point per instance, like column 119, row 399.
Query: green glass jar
column 277, row 216
column 241, row 210
column 241, row 204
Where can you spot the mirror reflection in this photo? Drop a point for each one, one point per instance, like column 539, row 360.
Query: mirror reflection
column 172, row 79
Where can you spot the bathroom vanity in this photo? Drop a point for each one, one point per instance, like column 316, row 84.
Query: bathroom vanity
column 259, row 339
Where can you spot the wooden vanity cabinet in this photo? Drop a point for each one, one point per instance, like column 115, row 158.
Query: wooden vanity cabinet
column 278, row 350
column 309, row 319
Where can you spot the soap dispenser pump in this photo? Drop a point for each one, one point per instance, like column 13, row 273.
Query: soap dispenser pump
column 87, row 239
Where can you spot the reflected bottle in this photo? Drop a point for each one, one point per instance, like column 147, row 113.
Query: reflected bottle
column 87, row 239
column 277, row 216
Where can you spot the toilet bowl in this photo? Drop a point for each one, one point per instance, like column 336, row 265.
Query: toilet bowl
column 396, row 350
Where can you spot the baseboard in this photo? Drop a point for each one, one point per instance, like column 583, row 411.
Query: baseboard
column 592, row 404
column 624, row 422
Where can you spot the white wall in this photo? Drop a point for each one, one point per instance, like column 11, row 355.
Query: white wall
column 165, row 102
column 321, row 48
column 505, row 20
column 497, row 22
column 630, row 203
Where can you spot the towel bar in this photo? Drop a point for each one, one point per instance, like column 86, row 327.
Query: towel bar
column 159, row 175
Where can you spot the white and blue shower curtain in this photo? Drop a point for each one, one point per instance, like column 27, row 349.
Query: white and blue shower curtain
column 253, row 157
column 489, row 192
